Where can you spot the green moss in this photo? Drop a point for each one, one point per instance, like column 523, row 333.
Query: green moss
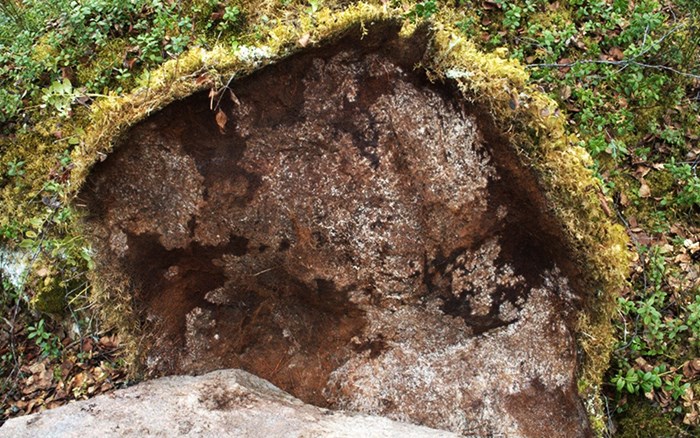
column 552, row 20
column 660, row 182
column 45, row 53
column 110, row 57
column 642, row 420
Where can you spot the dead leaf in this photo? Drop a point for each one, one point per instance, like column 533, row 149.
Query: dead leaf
column 565, row 65
column 304, row 40
column 641, row 171
column 40, row 379
column 624, row 200
column 42, row 272
column 234, row 98
column 617, row 54
column 87, row 345
column 78, row 380
column 129, row 63
column 644, row 190
column 604, row 204
column 682, row 258
column 565, row 92
column 691, row 368
column 666, row 248
column 202, row 79
column 109, row 342
column 221, row 120
column 677, row 230
column 664, row 398
column 579, row 44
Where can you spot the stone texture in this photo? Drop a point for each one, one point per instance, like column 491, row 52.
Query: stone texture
column 229, row 403
column 356, row 235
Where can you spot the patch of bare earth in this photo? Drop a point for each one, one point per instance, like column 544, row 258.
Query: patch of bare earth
column 356, row 235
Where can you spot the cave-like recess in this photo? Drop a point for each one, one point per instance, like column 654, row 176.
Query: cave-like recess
column 357, row 235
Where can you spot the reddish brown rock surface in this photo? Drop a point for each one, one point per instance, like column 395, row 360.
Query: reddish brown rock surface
column 358, row 236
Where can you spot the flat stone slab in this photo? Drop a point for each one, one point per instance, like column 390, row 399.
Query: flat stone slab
column 222, row 403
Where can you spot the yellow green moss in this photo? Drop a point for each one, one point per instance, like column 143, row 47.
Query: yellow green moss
column 44, row 52
column 642, row 420
column 108, row 58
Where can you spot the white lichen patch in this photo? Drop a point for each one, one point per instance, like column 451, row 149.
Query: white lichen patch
column 433, row 364
column 13, row 266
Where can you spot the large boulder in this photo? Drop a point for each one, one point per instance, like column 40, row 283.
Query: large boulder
column 223, row 403
column 357, row 235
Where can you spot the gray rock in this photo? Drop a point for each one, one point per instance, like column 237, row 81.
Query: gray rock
column 222, row 403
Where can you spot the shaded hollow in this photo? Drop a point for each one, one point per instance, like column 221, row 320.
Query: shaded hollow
column 358, row 236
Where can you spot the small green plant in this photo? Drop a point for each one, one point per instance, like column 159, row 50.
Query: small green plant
column 46, row 341
column 688, row 183
column 60, row 96
column 314, row 6
column 425, row 9
column 15, row 168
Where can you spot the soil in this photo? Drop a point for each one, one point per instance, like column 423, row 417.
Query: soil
column 360, row 237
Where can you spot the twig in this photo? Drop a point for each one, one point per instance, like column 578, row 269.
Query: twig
column 624, row 63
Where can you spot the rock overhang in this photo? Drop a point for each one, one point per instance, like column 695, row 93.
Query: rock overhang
column 397, row 222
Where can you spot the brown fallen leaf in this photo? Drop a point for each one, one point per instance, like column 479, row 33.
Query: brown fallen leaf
column 617, row 54
column 566, row 64
column 643, row 364
column 691, row 368
column 110, row 342
column 565, row 92
column 202, row 79
column 624, row 200
column 221, row 120
column 87, row 345
column 604, row 204
column 40, row 379
column 641, row 171
column 644, row 190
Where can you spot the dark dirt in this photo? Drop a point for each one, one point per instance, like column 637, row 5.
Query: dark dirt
column 356, row 235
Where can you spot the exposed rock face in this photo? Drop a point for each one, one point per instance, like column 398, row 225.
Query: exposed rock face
column 355, row 235
column 229, row 403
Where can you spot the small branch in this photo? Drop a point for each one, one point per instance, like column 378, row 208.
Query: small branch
column 624, row 63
